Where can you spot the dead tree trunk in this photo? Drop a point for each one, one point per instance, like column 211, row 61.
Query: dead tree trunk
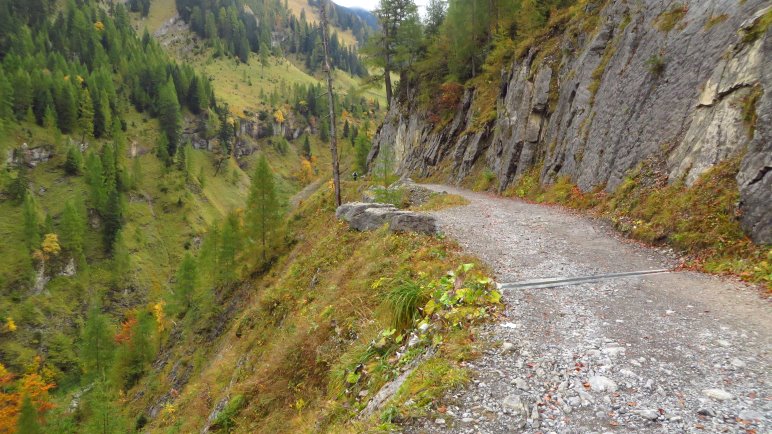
column 331, row 100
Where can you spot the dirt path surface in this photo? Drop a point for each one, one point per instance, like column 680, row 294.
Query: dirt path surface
column 676, row 352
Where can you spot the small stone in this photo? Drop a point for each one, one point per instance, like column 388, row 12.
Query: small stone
column 439, row 421
column 507, row 347
column 649, row 414
column 706, row 412
column 750, row 415
column 718, row 394
column 723, row 343
column 423, row 328
column 737, row 363
column 467, row 420
column 669, row 312
column 601, row 384
column 514, row 405
column 649, row 384
column 627, row 372
column 364, row 393
column 521, row 384
column 613, row 351
column 675, row 419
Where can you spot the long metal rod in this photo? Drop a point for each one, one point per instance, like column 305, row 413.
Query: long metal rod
column 563, row 281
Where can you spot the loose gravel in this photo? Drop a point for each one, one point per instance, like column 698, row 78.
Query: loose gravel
column 670, row 353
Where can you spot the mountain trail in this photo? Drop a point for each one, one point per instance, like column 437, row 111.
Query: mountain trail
column 645, row 351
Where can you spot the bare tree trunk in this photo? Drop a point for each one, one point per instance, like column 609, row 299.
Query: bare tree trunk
column 331, row 100
column 387, row 78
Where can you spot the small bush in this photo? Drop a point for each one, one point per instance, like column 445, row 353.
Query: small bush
column 715, row 20
column 485, row 181
column 666, row 21
column 750, row 117
column 758, row 29
column 395, row 196
column 656, row 65
column 443, row 201
column 224, row 420
column 404, row 300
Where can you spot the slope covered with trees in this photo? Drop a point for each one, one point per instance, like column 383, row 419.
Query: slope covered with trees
column 264, row 27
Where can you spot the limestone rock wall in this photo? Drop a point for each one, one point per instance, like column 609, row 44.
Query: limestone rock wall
column 690, row 111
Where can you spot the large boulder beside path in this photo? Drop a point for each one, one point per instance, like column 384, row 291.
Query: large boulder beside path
column 363, row 216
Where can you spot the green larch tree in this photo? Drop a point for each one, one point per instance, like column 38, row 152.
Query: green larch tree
column 263, row 207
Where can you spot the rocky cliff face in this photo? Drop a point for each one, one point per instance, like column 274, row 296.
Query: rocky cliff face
column 610, row 98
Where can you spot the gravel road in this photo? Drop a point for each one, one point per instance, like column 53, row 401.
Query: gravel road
column 674, row 353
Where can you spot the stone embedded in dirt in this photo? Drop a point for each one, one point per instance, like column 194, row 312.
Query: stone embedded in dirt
column 600, row 383
column 514, row 405
column 507, row 347
column 706, row 412
column 750, row 415
column 718, row 394
column 647, row 413
column 737, row 363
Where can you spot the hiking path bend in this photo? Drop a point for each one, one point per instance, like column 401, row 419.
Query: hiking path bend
column 671, row 352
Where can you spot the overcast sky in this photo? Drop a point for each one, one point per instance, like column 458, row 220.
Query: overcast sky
column 371, row 4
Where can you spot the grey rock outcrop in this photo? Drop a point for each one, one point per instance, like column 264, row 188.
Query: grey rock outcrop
column 370, row 216
column 595, row 108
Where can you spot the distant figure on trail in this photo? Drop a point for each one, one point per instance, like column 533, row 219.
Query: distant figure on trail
column 355, row 175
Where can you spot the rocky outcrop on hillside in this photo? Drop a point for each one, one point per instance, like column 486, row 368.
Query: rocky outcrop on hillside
column 610, row 98
column 369, row 216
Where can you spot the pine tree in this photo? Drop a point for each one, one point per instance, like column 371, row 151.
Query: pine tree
column 22, row 93
column 28, row 418
column 97, row 343
column 185, row 286
column 169, row 115
column 19, row 186
column 362, row 150
column 66, row 109
column 103, row 118
column 112, row 219
column 86, row 115
column 49, row 118
column 346, row 129
column 306, row 147
column 96, row 181
column 324, row 131
column 227, row 249
column 121, row 262
column 74, row 162
column 162, row 151
column 263, row 207
column 73, row 227
column 6, row 101
column 104, row 416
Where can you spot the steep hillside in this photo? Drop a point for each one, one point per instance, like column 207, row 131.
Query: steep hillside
column 601, row 89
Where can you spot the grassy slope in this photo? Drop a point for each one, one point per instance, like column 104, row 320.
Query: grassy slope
column 283, row 364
